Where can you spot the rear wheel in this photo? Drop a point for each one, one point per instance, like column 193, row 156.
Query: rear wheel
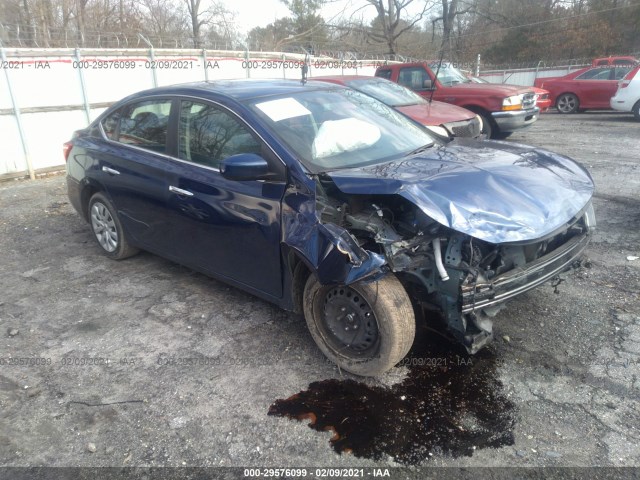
column 107, row 229
column 365, row 328
column 567, row 103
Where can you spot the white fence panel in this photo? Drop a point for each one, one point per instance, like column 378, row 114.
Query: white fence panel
column 526, row 77
column 12, row 158
column 59, row 90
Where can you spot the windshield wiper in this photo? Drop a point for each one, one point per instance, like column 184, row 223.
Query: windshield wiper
column 420, row 149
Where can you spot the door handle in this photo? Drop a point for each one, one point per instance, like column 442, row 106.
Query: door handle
column 110, row 171
column 180, row 191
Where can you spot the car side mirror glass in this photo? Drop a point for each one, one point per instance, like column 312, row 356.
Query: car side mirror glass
column 244, row 166
column 427, row 85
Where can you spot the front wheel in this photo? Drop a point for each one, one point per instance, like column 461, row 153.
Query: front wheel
column 365, row 328
column 636, row 110
column 567, row 103
column 488, row 128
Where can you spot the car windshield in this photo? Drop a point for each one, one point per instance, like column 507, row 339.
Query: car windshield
column 387, row 92
column 339, row 128
column 448, row 74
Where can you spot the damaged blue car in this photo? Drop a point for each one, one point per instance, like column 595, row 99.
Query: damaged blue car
column 329, row 203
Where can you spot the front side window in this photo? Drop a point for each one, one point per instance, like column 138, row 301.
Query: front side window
column 208, row 134
column 413, row 77
column 144, row 125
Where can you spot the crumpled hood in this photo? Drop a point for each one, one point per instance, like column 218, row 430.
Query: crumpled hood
column 494, row 191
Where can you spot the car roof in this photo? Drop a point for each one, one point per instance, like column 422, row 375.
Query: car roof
column 345, row 78
column 239, row 90
column 615, row 60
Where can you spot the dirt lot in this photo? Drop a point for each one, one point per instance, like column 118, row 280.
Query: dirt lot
column 146, row 363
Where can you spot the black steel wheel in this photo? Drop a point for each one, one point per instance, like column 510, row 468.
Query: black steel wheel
column 365, row 328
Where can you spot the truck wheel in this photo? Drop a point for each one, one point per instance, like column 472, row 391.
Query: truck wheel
column 487, row 125
column 365, row 328
column 567, row 103
column 636, row 110
column 107, row 229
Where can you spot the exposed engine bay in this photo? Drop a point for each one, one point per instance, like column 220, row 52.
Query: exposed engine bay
column 465, row 279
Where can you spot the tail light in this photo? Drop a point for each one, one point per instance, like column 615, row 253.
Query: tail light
column 624, row 83
column 66, row 148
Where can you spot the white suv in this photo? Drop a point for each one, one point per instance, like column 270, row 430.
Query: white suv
column 627, row 98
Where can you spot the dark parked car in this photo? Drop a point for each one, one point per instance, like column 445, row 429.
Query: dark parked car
column 441, row 118
column 325, row 201
column 587, row 88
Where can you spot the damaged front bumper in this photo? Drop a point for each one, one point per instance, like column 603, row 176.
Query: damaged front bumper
column 480, row 295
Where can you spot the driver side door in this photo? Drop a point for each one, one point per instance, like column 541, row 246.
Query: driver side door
column 224, row 227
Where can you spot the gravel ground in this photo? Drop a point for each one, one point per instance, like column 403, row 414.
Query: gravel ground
column 566, row 359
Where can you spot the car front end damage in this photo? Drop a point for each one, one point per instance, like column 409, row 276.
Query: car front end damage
column 462, row 239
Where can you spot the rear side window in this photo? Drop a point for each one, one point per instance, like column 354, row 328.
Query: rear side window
column 384, row 74
column 621, row 71
column 596, row 74
column 110, row 125
column 207, row 135
column 632, row 73
column 145, row 125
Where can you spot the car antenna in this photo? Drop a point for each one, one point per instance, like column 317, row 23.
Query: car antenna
column 433, row 89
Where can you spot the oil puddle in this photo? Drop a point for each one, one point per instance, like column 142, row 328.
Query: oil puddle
column 450, row 403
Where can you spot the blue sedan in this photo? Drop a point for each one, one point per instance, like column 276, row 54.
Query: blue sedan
column 329, row 203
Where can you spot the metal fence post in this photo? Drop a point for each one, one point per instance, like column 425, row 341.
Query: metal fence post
column 16, row 113
column 152, row 58
column 85, row 99
column 478, row 66
column 204, row 62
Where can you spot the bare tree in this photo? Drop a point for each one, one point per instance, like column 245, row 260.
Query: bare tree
column 451, row 10
column 392, row 20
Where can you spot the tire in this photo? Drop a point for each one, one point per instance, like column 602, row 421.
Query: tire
column 567, row 103
column 107, row 229
column 501, row 135
column 379, row 314
column 636, row 110
column 487, row 125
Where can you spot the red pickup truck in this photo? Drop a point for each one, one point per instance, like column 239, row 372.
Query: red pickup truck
column 503, row 108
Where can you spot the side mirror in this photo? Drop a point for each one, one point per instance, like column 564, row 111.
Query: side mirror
column 244, row 166
column 428, row 85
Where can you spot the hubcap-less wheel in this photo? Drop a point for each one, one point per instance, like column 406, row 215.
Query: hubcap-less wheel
column 567, row 103
column 349, row 322
column 365, row 328
column 104, row 227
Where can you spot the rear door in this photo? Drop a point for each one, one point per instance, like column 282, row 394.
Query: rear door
column 596, row 86
column 220, row 226
column 131, row 166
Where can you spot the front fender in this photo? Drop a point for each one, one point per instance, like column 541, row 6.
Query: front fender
column 328, row 250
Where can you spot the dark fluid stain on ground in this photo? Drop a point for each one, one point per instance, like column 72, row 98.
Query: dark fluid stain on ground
column 450, row 403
